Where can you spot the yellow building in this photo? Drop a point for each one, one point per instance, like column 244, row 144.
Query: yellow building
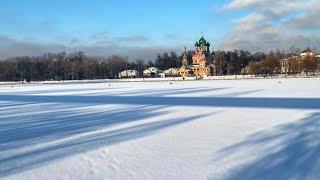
column 308, row 52
column 285, row 63
column 201, row 61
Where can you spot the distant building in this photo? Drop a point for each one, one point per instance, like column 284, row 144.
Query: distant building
column 308, row 52
column 161, row 75
column 245, row 70
column 201, row 61
column 171, row 72
column 128, row 74
column 286, row 63
column 284, row 66
column 152, row 72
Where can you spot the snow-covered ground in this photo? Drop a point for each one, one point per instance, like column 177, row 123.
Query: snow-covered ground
column 232, row 129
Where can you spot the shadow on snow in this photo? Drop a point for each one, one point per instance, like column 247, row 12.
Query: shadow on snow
column 60, row 126
column 36, row 131
column 239, row 102
column 290, row 151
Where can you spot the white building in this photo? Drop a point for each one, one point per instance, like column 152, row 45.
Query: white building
column 308, row 52
column 152, row 71
column 128, row 74
column 170, row 72
column 285, row 63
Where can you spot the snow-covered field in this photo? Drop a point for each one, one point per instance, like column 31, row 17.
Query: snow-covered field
column 232, row 129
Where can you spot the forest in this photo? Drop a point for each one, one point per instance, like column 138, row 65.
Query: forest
column 78, row 66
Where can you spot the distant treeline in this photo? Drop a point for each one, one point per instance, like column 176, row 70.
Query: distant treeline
column 78, row 66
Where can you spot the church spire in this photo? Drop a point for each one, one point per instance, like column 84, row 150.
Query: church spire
column 185, row 57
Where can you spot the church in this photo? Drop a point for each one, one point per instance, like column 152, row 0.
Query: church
column 202, row 64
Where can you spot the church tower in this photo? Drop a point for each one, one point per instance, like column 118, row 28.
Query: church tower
column 185, row 58
column 201, row 65
column 202, row 55
column 202, row 46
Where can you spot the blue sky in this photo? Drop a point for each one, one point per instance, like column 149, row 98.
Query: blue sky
column 143, row 27
column 156, row 20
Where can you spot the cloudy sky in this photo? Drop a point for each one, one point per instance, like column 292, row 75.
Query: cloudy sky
column 142, row 28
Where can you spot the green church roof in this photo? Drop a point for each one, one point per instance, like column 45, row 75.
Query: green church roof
column 202, row 41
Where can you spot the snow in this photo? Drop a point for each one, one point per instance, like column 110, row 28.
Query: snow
column 207, row 129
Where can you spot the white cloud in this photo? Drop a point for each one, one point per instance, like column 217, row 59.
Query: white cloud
column 240, row 4
column 273, row 24
column 10, row 47
column 308, row 19
column 278, row 7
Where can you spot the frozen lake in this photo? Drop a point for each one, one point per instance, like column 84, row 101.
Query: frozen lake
column 223, row 129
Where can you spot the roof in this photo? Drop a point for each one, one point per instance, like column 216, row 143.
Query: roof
column 308, row 50
column 202, row 42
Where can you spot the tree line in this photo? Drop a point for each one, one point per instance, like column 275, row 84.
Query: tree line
column 60, row 66
column 271, row 65
column 78, row 66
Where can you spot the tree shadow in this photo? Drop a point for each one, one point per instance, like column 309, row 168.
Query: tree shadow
column 290, row 151
column 37, row 132
column 31, row 159
column 114, row 90
column 157, row 92
column 43, row 128
column 238, row 102
column 20, row 130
